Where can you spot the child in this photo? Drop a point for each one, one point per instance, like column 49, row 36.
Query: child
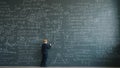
column 44, row 51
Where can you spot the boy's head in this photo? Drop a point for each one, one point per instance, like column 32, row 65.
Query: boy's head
column 45, row 41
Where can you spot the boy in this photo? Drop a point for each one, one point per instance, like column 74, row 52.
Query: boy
column 44, row 51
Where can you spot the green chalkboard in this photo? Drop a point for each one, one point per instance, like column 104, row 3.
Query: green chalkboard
column 82, row 32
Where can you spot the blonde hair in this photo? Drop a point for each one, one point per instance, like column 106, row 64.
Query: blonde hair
column 45, row 40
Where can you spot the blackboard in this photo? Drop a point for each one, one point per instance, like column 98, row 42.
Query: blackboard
column 82, row 32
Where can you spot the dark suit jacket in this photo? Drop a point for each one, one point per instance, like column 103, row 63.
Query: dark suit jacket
column 45, row 48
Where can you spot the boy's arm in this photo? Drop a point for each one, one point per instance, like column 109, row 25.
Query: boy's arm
column 49, row 46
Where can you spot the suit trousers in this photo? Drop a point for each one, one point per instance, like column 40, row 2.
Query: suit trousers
column 44, row 60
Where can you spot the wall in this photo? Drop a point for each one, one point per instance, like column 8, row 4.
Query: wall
column 82, row 32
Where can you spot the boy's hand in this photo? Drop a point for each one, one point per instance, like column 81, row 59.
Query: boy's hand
column 50, row 44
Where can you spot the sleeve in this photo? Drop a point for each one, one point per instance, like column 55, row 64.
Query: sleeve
column 49, row 46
